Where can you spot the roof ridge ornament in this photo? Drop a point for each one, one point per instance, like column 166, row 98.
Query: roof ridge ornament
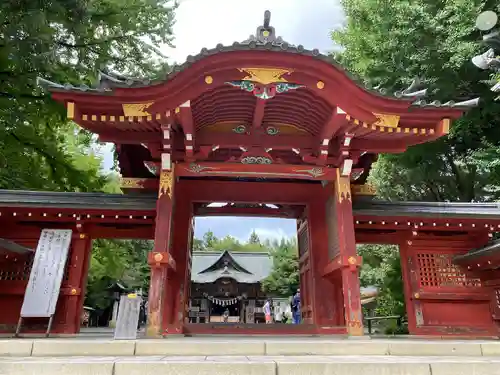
column 266, row 33
column 415, row 90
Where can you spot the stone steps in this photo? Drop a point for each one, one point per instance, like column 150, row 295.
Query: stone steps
column 244, row 347
column 251, row 365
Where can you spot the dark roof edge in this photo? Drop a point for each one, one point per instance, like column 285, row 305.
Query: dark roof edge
column 105, row 201
column 76, row 200
column 264, row 39
column 491, row 248
column 213, row 252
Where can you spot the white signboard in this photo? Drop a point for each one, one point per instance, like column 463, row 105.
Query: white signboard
column 46, row 275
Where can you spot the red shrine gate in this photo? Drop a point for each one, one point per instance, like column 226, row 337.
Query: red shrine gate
column 449, row 288
column 262, row 121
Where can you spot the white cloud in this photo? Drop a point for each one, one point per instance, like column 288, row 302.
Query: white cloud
column 269, row 234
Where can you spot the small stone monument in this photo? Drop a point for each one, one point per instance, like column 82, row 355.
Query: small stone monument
column 128, row 317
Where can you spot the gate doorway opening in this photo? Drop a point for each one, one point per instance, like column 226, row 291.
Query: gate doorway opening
column 243, row 255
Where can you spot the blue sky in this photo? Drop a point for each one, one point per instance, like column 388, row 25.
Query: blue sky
column 242, row 227
column 204, row 23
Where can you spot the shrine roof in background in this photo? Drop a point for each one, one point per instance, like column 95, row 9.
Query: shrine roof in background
column 244, row 267
column 261, row 99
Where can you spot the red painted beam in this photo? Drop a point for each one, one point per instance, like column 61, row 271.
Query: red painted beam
column 342, row 262
column 334, row 123
column 286, row 142
column 250, row 192
column 306, row 144
column 301, row 172
column 247, row 211
column 160, row 259
column 185, row 117
column 136, row 138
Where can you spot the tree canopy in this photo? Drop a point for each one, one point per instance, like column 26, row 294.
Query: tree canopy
column 69, row 42
column 66, row 42
column 211, row 243
column 389, row 43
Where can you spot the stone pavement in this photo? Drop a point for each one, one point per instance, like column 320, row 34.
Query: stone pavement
column 248, row 356
column 251, row 365
column 244, row 346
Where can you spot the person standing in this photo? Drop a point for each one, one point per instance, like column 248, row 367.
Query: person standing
column 296, row 307
column 267, row 311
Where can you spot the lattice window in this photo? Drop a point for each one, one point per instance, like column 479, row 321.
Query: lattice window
column 17, row 270
column 437, row 270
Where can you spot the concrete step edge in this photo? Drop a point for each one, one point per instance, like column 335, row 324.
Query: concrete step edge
column 251, row 365
column 47, row 348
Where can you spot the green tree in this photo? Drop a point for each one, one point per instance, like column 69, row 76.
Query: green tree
column 123, row 261
column 254, row 238
column 209, row 240
column 389, row 43
column 227, row 243
column 66, row 42
column 284, row 278
column 382, row 268
column 198, row 245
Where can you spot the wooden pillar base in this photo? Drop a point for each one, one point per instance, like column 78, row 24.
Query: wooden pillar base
column 353, row 314
column 155, row 301
column 161, row 264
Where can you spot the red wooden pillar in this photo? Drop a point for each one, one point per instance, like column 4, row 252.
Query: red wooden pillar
column 160, row 258
column 344, row 263
column 179, row 282
column 324, row 309
column 74, row 287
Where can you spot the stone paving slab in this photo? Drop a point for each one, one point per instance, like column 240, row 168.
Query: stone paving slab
column 194, row 347
column 47, row 348
column 243, row 347
column 251, row 365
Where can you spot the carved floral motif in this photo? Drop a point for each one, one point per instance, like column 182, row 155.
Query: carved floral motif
column 136, row 109
column 256, row 160
column 271, row 130
column 265, row 76
column 240, row 129
column 197, row 168
column 387, row 120
column 264, row 92
column 166, row 183
column 132, row 183
column 314, row 172
column 342, row 187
